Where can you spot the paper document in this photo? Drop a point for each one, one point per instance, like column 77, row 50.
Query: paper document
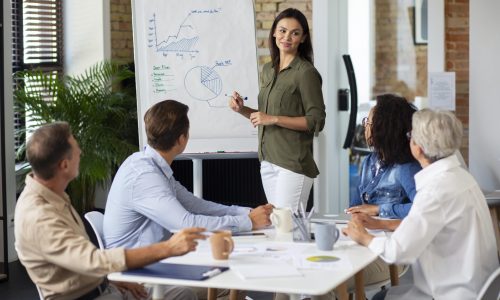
column 261, row 268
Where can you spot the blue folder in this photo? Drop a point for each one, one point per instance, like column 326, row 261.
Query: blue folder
column 177, row 271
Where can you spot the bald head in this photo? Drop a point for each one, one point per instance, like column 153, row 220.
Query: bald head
column 47, row 146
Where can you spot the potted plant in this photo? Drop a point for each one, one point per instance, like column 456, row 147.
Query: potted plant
column 102, row 116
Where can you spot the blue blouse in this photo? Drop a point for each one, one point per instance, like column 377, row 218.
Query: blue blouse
column 390, row 187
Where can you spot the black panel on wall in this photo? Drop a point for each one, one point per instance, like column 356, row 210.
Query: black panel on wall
column 226, row 181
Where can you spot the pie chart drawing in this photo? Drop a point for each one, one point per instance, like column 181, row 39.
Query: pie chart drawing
column 203, row 83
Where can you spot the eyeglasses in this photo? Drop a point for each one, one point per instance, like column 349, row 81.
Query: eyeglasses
column 408, row 135
column 365, row 122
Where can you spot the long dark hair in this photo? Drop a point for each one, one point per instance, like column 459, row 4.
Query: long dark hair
column 391, row 121
column 305, row 49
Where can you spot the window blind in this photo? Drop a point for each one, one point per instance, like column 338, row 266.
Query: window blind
column 37, row 37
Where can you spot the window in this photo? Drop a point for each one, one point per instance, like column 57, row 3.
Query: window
column 37, row 39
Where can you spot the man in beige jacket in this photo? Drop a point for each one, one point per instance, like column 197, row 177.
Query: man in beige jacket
column 50, row 236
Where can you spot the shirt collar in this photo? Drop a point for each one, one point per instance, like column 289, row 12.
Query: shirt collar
column 57, row 201
column 427, row 174
column 159, row 161
column 295, row 62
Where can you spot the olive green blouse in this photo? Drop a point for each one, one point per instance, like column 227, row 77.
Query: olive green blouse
column 294, row 92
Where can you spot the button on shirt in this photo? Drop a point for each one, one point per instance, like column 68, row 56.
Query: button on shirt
column 391, row 187
column 145, row 202
column 294, row 92
column 55, row 249
column 447, row 236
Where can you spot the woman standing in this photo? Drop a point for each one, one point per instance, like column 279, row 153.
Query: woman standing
column 291, row 111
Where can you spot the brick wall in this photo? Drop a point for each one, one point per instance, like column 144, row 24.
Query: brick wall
column 122, row 48
column 395, row 50
column 265, row 12
column 122, row 45
column 400, row 65
column 457, row 60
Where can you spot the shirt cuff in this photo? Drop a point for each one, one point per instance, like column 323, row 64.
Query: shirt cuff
column 235, row 210
column 116, row 258
column 244, row 223
column 377, row 245
column 385, row 210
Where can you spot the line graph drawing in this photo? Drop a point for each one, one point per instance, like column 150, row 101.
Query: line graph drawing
column 183, row 43
column 185, row 40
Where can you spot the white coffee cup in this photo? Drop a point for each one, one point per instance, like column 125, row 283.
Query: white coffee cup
column 282, row 219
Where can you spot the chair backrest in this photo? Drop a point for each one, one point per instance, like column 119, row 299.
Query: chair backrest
column 39, row 292
column 95, row 219
column 491, row 288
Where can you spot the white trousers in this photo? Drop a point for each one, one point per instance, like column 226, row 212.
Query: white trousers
column 283, row 187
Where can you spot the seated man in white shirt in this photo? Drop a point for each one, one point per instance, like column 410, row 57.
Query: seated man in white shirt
column 448, row 235
column 145, row 201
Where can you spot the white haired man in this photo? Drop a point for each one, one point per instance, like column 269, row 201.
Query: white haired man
column 447, row 236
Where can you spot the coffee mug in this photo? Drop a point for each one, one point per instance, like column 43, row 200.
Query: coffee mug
column 282, row 219
column 326, row 235
column 222, row 244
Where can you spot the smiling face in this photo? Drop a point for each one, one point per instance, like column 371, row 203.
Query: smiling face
column 289, row 34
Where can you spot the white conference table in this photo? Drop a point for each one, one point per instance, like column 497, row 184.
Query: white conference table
column 314, row 281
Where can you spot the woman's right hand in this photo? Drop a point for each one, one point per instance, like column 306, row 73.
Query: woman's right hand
column 236, row 102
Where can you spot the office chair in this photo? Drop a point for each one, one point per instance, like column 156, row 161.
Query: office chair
column 39, row 292
column 491, row 288
column 493, row 201
column 95, row 220
column 359, row 289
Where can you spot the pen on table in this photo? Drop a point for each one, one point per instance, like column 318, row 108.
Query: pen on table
column 310, row 213
column 300, row 224
column 205, row 233
column 212, row 273
column 244, row 98
column 302, row 210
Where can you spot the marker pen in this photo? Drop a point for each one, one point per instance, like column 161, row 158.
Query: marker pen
column 244, row 98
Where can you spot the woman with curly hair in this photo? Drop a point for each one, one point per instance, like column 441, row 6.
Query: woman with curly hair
column 387, row 187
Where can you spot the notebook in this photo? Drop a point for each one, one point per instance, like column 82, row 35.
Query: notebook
column 259, row 270
column 177, row 271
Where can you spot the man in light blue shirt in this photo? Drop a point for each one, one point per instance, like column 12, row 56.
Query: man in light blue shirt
column 145, row 201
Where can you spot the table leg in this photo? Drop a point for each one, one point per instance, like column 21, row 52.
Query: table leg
column 494, row 212
column 394, row 273
column 341, row 291
column 157, row 292
column 212, row 294
column 359, row 285
column 233, row 294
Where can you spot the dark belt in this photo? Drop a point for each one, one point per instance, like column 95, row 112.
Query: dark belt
column 95, row 292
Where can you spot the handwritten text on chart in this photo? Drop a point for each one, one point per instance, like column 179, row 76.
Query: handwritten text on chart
column 162, row 79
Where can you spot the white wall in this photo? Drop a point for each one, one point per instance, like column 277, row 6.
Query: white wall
column 8, row 135
column 86, row 34
column 87, row 41
column 484, row 97
column 331, row 188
